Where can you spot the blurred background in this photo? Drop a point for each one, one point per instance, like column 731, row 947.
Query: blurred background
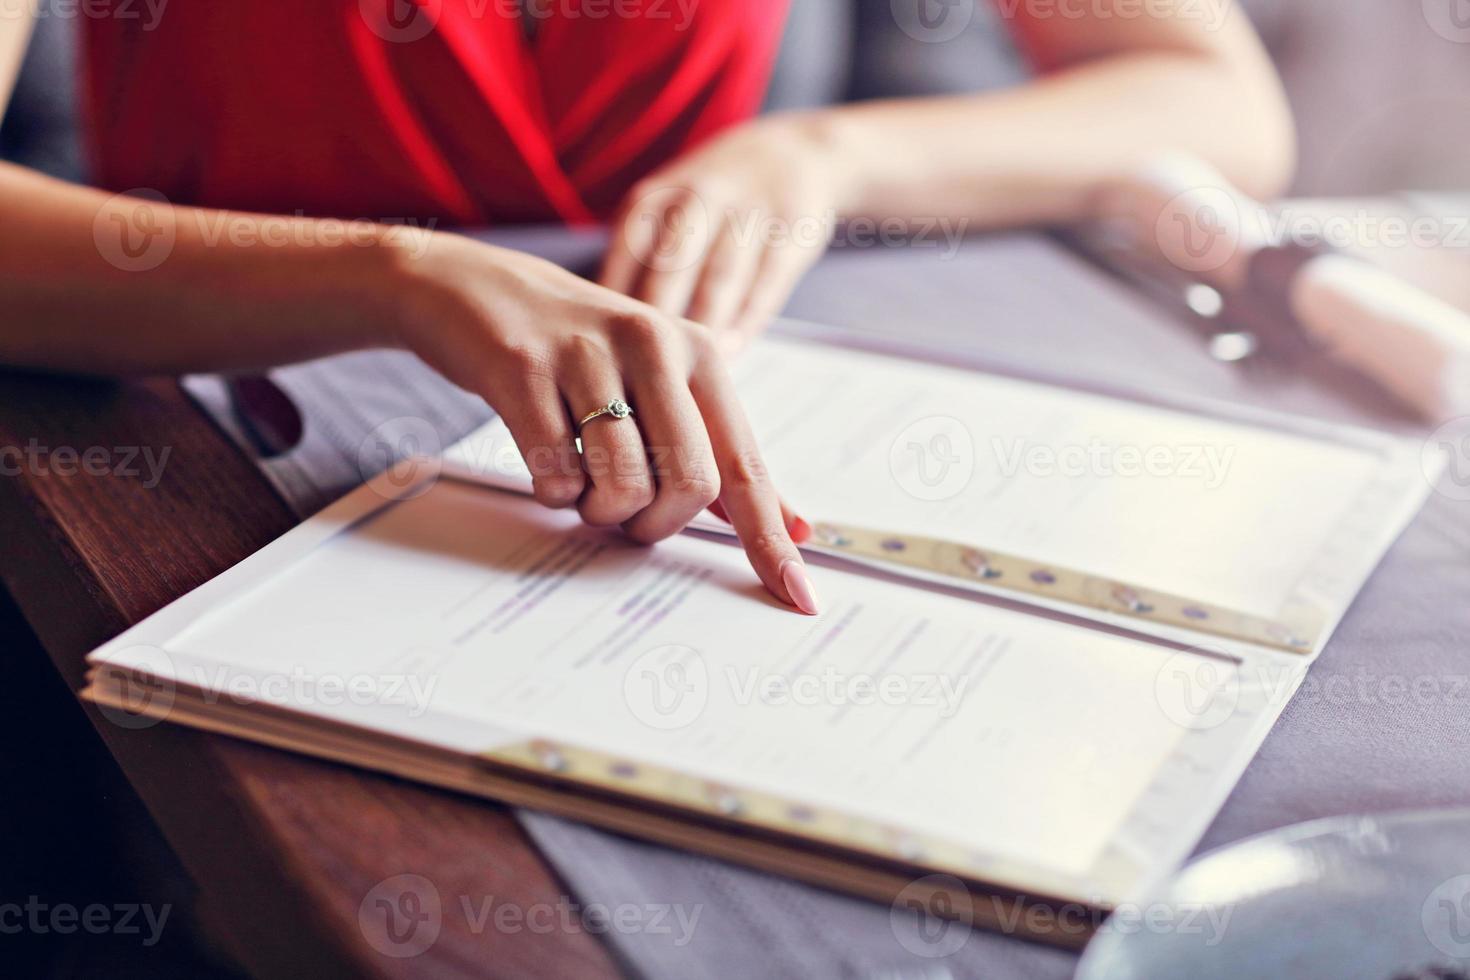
column 1381, row 90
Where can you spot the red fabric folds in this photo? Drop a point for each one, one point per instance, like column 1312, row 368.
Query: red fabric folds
column 418, row 109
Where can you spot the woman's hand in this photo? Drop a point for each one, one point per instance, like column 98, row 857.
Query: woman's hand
column 545, row 348
column 722, row 235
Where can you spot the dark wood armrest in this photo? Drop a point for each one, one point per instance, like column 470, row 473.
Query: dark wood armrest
column 285, row 849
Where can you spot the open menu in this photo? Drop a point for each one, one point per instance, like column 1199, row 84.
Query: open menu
column 1055, row 627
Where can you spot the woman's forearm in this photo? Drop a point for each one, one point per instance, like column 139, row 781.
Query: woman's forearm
column 93, row 284
column 1038, row 153
column 113, row 285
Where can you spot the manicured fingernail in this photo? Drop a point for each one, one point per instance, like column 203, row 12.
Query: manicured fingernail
column 799, row 586
column 800, row 530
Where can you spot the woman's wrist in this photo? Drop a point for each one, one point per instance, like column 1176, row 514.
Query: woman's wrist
column 315, row 289
column 409, row 296
column 833, row 138
column 442, row 294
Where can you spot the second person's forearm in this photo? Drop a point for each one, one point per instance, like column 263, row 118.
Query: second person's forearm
column 1039, row 153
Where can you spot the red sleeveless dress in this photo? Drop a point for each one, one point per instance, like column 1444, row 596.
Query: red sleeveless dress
column 418, row 109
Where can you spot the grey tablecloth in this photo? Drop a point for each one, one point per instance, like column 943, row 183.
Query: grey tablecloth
column 1352, row 741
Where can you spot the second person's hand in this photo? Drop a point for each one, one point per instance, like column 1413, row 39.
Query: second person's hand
column 723, row 235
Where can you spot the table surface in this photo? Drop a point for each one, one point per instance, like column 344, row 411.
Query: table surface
column 285, row 848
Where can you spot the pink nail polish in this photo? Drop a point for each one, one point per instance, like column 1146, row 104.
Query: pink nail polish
column 800, row 531
column 799, row 586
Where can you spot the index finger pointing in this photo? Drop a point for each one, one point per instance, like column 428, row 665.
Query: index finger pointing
column 747, row 494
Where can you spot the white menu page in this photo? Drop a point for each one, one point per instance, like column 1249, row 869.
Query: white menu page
column 1003, row 732
column 472, row 619
column 1220, row 512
